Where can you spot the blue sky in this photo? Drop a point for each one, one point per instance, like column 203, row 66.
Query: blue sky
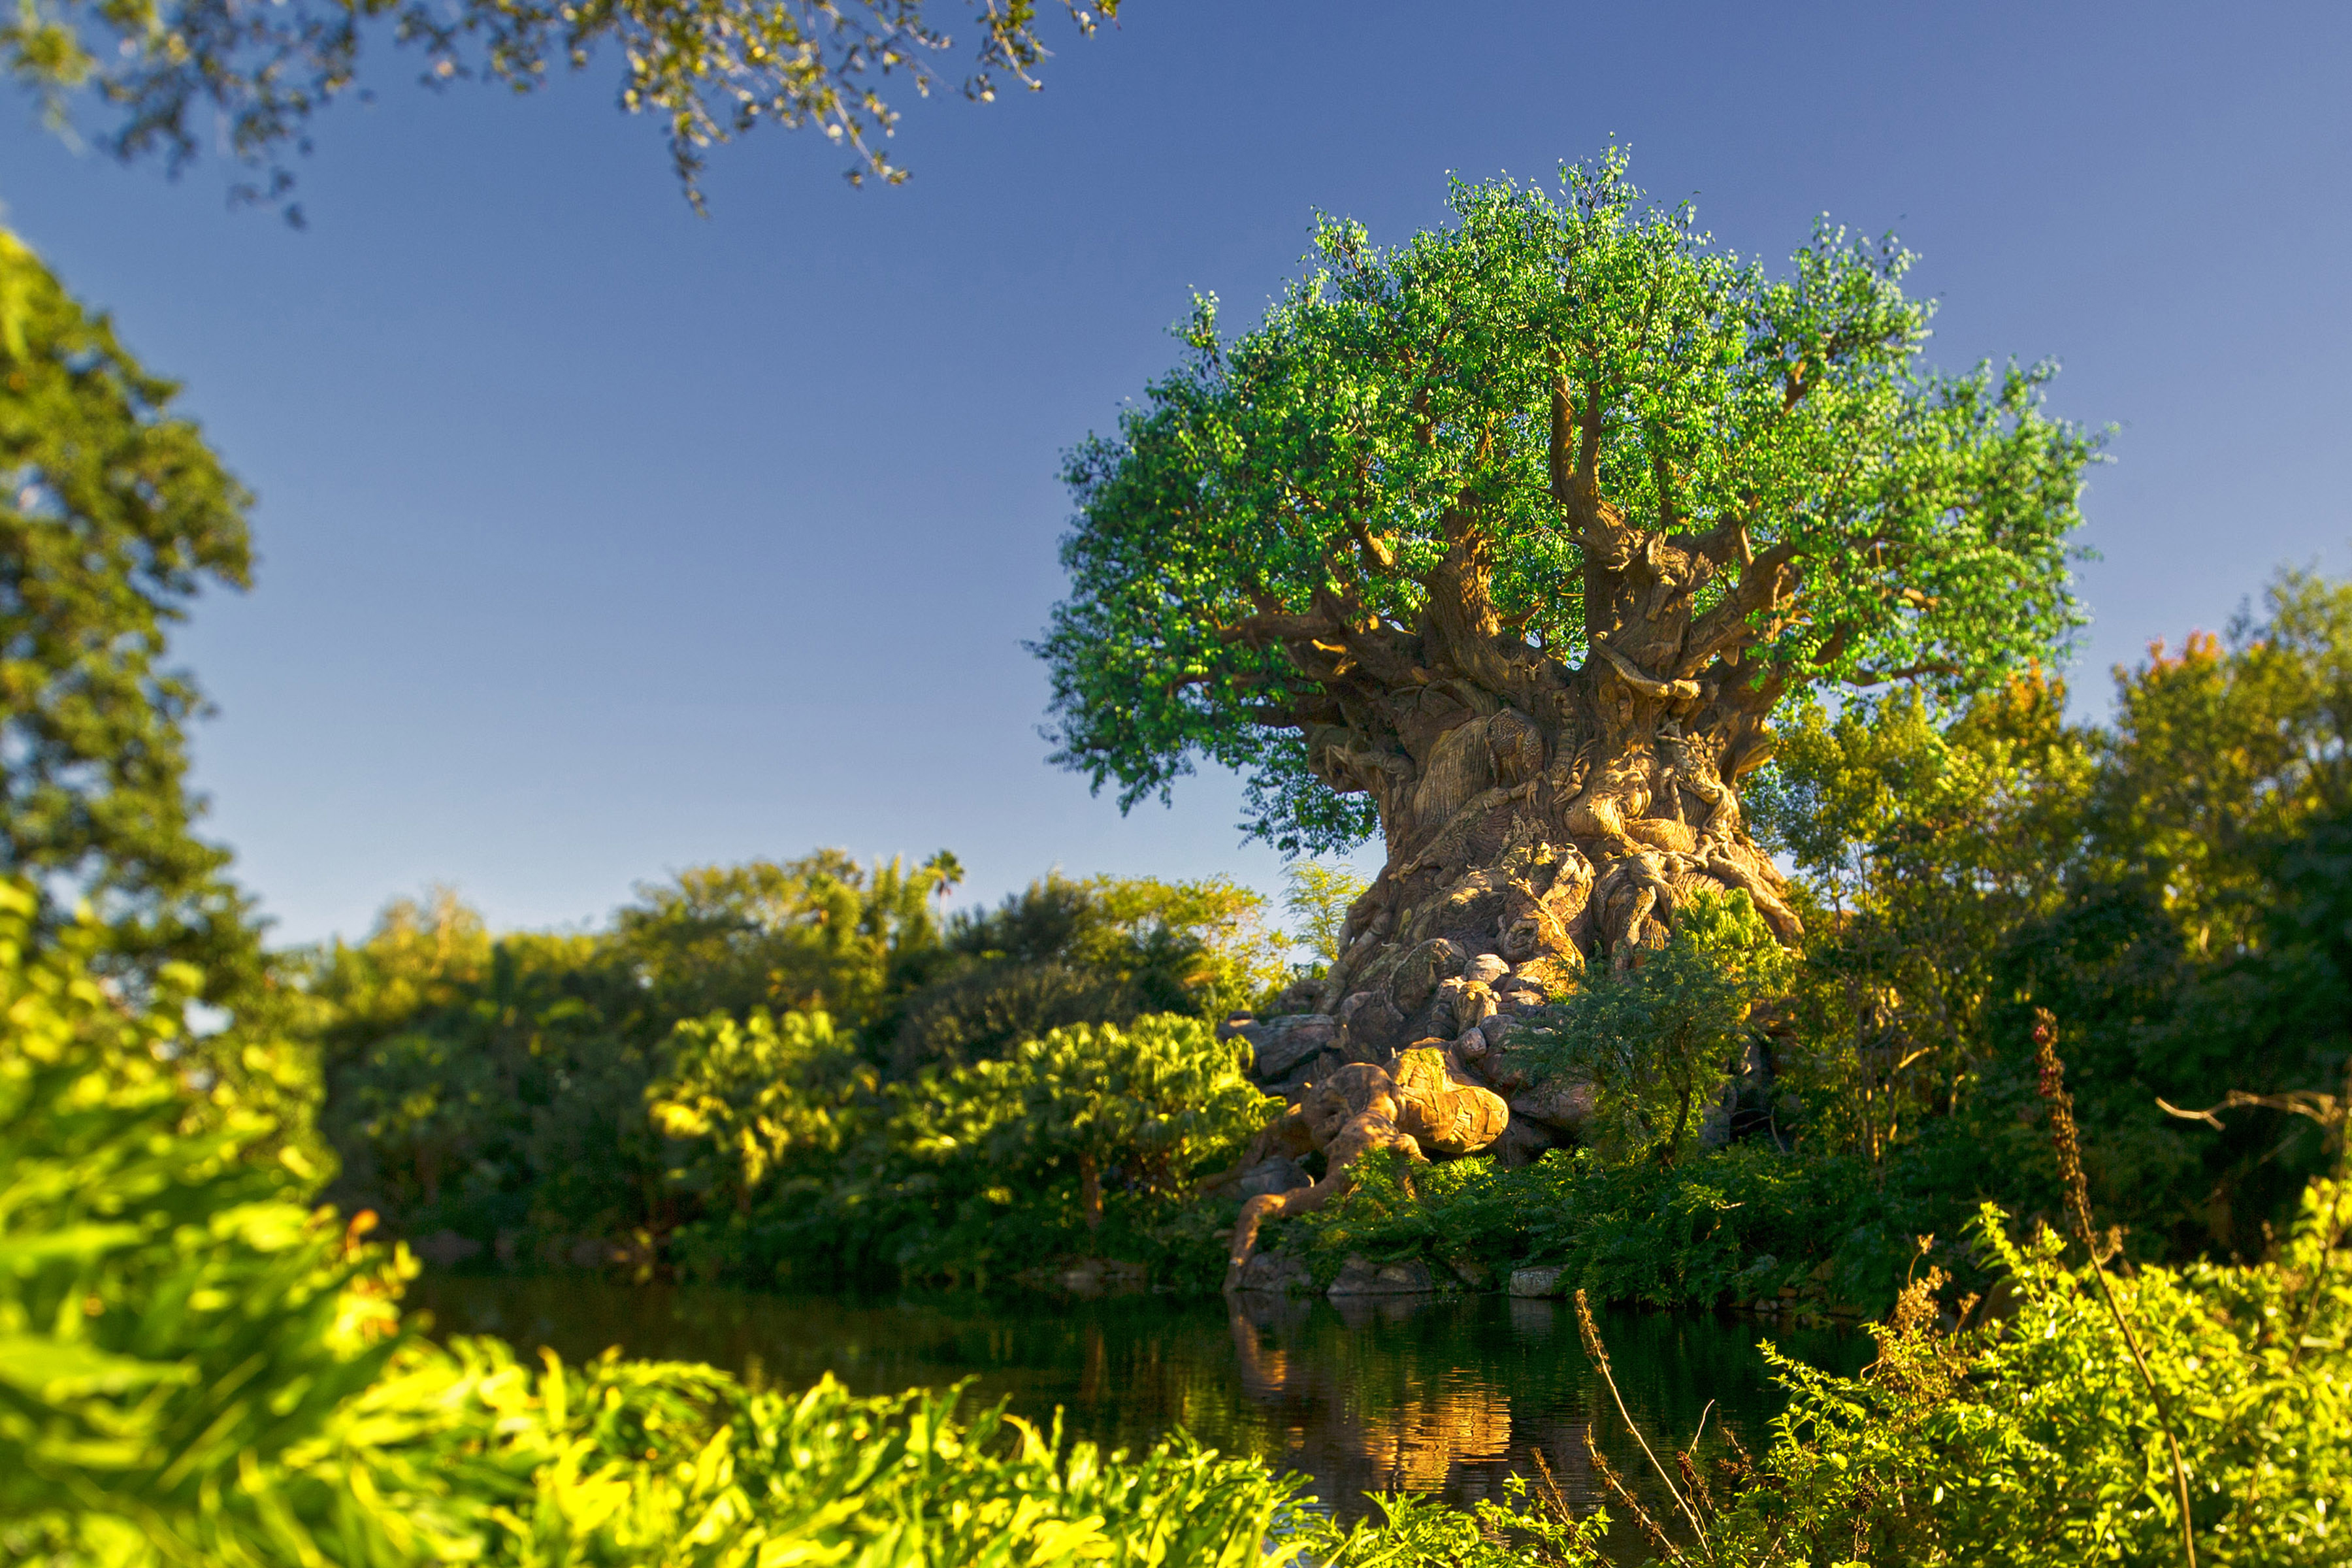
column 598, row 540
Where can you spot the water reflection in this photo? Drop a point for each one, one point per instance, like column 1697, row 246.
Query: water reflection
column 1418, row 1394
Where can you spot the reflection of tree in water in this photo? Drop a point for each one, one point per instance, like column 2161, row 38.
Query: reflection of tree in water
column 1443, row 1396
column 1452, row 1398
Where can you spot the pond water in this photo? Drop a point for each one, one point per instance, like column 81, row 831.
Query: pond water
column 1420, row 1394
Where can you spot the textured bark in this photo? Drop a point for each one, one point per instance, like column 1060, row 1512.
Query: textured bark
column 1539, row 817
column 1550, row 817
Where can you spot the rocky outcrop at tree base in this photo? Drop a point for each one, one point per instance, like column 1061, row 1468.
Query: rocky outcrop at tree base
column 1420, row 1061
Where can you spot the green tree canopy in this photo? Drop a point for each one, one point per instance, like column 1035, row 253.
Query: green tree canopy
column 168, row 76
column 822, row 931
column 1564, row 435
column 1102, row 951
column 114, row 516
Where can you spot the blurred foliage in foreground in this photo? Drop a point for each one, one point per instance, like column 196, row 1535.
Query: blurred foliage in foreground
column 197, row 1367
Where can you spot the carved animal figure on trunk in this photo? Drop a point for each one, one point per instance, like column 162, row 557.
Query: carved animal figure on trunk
column 1426, row 1104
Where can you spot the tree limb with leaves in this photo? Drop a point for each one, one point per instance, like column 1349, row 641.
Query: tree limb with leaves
column 1506, row 543
column 154, row 78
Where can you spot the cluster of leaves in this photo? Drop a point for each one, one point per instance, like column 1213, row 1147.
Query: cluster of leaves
column 1658, row 1042
column 741, row 1066
column 2170, row 885
column 746, row 1100
column 2034, row 1440
column 709, row 69
column 1736, row 1226
column 1923, row 846
column 1083, row 1140
column 114, row 516
column 1105, row 950
column 173, row 1328
column 1319, row 898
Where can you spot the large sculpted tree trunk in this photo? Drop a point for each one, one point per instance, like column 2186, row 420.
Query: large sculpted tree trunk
column 1538, row 817
column 1520, row 530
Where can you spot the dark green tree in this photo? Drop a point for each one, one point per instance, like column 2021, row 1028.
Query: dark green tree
column 166, row 77
column 114, row 516
column 823, row 931
column 1102, row 951
column 1508, row 541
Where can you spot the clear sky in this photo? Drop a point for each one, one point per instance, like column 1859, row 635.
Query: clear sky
column 598, row 540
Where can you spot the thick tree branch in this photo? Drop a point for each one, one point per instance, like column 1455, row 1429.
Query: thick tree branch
column 1677, row 691
column 1726, row 627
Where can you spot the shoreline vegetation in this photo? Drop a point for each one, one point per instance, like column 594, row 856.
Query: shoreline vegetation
column 197, row 1365
column 2108, row 1286
column 803, row 1072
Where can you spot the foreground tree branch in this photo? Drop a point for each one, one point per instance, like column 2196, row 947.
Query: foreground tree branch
column 179, row 73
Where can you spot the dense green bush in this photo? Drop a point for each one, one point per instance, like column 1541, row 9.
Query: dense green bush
column 616, row 1094
column 2034, row 1440
column 1658, row 1042
column 1083, row 1143
column 1726, row 1227
column 2170, row 885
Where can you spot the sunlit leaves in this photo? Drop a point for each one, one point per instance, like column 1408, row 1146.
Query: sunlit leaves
column 114, row 516
column 709, row 70
column 1659, row 1042
column 1925, row 516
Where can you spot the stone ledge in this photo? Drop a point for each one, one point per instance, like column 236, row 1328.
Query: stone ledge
column 1537, row 1281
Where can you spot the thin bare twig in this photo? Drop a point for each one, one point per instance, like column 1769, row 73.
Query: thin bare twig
column 1599, row 1354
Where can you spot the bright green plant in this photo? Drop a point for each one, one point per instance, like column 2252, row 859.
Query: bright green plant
column 2033, row 1440
column 1927, row 840
column 1527, row 1527
column 1104, row 950
column 177, row 1328
column 1140, row 1110
column 1659, row 1042
column 1317, row 897
column 821, row 932
column 747, row 1101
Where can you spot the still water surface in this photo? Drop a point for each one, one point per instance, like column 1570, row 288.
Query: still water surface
column 1420, row 1394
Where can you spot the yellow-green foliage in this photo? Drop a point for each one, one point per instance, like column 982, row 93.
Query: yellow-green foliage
column 1927, row 839
column 2034, row 1442
column 1319, row 898
column 823, row 931
column 1237, row 956
column 114, row 517
column 174, row 1329
column 741, row 1101
column 1146, row 1107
